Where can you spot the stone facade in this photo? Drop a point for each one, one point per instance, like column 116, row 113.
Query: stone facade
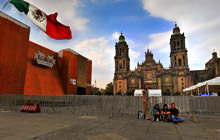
column 154, row 75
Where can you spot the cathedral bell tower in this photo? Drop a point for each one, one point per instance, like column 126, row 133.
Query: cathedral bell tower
column 122, row 60
column 122, row 66
column 178, row 54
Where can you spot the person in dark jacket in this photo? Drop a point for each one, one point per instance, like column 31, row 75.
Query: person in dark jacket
column 156, row 112
column 165, row 112
column 175, row 114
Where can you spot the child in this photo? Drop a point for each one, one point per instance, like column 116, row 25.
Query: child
column 166, row 113
column 156, row 112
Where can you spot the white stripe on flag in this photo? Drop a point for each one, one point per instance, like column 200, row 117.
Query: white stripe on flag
column 38, row 17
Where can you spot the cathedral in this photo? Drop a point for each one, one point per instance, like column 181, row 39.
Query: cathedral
column 151, row 73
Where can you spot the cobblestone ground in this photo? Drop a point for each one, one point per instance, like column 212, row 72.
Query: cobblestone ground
column 67, row 126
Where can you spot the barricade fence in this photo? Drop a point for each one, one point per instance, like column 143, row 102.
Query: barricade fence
column 109, row 105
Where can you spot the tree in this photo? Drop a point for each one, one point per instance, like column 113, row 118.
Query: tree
column 129, row 93
column 109, row 89
column 176, row 93
column 96, row 93
column 119, row 93
column 164, row 93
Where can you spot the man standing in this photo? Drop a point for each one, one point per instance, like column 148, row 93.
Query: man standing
column 145, row 102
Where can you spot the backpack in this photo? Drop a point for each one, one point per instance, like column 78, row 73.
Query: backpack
column 141, row 115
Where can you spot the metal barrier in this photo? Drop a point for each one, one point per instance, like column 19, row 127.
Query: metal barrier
column 112, row 105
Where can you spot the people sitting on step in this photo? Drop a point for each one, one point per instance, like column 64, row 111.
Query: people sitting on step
column 156, row 112
column 165, row 112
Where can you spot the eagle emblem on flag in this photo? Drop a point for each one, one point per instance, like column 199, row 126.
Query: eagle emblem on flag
column 38, row 15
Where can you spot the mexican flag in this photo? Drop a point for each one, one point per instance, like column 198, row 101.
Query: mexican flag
column 48, row 24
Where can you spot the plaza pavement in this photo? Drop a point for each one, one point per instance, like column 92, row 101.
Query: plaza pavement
column 67, row 126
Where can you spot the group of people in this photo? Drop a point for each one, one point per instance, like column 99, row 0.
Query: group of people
column 165, row 114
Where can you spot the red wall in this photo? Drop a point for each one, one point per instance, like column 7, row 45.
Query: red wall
column 69, row 71
column 13, row 55
column 89, row 77
column 41, row 79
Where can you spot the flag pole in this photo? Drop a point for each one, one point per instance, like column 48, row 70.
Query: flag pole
column 5, row 5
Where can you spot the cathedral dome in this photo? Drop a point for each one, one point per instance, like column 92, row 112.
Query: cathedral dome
column 176, row 29
column 121, row 38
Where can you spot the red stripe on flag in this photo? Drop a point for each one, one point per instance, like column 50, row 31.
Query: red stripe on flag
column 56, row 30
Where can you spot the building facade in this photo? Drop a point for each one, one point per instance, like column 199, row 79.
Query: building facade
column 31, row 69
column 151, row 73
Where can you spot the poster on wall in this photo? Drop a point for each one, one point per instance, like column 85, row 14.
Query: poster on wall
column 41, row 59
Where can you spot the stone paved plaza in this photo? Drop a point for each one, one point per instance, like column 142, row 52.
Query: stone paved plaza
column 67, row 126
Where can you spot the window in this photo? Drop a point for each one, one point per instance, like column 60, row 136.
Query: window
column 121, row 51
column 120, row 66
column 184, row 60
column 182, row 44
column 178, row 44
column 174, row 45
column 179, row 62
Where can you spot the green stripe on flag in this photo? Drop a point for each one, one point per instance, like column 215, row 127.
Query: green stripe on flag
column 21, row 5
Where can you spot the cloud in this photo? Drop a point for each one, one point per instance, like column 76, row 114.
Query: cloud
column 102, row 56
column 134, row 55
column 98, row 50
column 198, row 19
column 115, row 36
column 159, row 40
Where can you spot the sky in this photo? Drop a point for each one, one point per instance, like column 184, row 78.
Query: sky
column 146, row 24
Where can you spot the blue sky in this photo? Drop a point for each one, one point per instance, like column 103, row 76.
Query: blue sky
column 146, row 24
column 127, row 16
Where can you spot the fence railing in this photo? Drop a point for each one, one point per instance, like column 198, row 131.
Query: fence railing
column 109, row 104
